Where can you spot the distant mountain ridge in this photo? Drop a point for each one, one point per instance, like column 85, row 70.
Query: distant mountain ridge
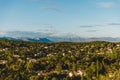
column 50, row 37
column 56, row 39
column 26, row 39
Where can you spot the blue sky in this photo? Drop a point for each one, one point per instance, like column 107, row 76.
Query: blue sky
column 86, row 18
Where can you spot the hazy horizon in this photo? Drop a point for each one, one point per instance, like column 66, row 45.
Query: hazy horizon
column 86, row 18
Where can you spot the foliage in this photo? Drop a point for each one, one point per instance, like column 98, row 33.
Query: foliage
column 96, row 60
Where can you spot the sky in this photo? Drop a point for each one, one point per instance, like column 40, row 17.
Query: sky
column 86, row 18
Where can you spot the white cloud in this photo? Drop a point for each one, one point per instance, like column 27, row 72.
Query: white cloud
column 51, row 9
column 107, row 4
column 2, row 33
column 114, row 24
column 91, row 30
column 100, row 25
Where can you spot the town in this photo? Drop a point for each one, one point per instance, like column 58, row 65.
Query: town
column 97, row 60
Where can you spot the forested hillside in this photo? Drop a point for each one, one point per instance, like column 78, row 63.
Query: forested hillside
column 96, row 60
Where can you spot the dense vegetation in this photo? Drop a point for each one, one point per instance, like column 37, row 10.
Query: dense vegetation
column 59, row 61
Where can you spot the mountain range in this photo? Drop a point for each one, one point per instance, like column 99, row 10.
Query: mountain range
column 50, row 37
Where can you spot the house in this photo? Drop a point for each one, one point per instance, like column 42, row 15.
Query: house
column 17, row 56
column 3, row 61
column 77, row 73
column 70, row 74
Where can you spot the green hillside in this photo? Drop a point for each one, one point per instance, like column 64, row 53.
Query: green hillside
column 96, row 60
